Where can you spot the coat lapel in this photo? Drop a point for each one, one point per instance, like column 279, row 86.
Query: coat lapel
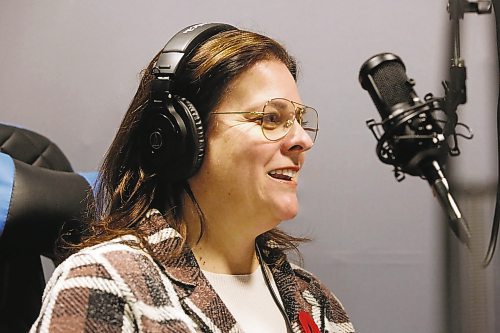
column 291, row 290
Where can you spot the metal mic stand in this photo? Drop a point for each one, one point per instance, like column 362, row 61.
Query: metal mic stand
column 456, row 93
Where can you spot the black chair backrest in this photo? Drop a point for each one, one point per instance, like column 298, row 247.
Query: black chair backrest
column 40, row 198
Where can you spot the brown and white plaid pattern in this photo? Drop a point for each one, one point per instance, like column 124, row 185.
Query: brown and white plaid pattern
column 116, row 287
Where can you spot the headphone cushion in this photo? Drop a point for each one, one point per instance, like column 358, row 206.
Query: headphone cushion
column 195, row 137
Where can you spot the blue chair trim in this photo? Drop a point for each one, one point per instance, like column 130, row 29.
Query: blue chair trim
column 7, row 171
column 91, row 178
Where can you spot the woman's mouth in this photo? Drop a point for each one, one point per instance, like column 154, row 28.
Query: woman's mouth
column 283, row 174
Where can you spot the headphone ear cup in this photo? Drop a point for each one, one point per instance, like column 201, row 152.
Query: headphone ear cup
column 195, row 139
column 162, row 139
column 174, row 140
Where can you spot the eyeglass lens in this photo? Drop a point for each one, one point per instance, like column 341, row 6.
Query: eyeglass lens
column 280, row 114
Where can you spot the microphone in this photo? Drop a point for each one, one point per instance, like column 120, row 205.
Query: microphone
column 411, row 136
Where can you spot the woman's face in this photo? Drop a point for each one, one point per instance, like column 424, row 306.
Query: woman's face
column 237, row 179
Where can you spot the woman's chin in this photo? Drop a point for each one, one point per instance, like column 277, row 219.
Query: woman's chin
column 287, row 210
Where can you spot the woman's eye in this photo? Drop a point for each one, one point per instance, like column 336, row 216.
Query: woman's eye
column 271, row 118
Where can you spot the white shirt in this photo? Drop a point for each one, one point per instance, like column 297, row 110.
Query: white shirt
column 249, row 300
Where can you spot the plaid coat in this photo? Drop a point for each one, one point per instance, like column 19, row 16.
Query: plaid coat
column 118, row 287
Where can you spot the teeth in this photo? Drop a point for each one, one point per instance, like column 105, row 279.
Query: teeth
column 286, row 172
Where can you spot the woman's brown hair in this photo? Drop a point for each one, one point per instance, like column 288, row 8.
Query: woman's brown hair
column 126, row 188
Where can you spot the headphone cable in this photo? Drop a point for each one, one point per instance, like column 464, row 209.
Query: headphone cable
column 273, row 294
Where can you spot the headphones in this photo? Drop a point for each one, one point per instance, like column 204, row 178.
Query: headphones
column 173, row 131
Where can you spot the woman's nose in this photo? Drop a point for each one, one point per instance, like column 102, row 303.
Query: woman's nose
column 298, row 138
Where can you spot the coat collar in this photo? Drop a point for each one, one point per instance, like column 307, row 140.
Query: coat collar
column 169, row 250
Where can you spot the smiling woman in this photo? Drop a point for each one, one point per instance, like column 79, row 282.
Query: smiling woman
column 203, row 169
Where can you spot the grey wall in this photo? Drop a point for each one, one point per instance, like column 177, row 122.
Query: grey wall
column 70, row 68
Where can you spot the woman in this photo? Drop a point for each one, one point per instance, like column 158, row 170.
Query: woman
column 189, row 244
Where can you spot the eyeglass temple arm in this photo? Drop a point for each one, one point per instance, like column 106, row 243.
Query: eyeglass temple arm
column 240, row 112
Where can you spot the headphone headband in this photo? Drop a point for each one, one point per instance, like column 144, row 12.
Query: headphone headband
column 174, row 54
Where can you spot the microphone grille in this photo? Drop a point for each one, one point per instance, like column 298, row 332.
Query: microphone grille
column 391, row 81
column 384, row 77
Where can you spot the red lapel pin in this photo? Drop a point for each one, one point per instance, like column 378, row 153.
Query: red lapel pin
column 307, row 323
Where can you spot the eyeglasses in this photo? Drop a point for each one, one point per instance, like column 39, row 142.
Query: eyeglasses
column 279, row 114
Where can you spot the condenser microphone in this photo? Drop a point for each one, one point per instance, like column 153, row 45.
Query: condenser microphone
column 410, row 136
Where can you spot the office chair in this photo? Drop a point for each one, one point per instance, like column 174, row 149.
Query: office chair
column 40, row 199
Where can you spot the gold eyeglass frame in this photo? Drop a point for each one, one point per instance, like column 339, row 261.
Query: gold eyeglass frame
column 299, row 110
